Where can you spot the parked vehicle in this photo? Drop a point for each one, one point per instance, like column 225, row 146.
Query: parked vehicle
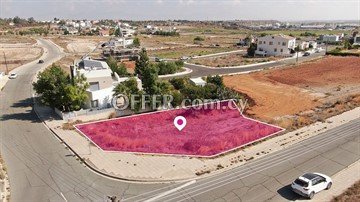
column 12, row 76
column 311, row 183
column 306, row 54
column 41, row 61
column 159, row 59
column 184, row 58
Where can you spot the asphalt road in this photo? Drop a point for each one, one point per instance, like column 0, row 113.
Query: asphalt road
column 199, row 71
column 41, row 168
column 268, row 179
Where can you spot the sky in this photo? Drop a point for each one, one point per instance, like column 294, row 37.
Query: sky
column 283, row 10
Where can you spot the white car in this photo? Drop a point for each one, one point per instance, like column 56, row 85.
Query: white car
column 12, row 76
column 311, row 183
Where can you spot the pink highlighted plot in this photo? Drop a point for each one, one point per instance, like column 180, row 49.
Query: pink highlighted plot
column 208, row 132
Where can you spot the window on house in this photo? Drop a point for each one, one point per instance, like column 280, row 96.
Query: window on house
column 275, row 49
column 260, row 42
column 279, row 43
column 94, row 103
column 284, row 43
column 270, row 43
column 264, row 42
column 281, row 50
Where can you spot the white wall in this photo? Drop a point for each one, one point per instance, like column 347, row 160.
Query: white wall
column 275, row 45
column 103, row 96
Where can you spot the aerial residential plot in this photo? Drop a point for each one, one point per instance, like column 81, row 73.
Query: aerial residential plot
column 208, row 132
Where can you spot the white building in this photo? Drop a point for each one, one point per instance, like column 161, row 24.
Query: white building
column 356, row 40
column 198, row 81
column 304, row 45
column 275, row 45
column 119, row 42
column 102, row 82
column 330, row 38
column 313, row 44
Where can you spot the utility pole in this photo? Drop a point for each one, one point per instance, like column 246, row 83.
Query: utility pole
column 7, row 69
column 326, row 45
column 297, row 53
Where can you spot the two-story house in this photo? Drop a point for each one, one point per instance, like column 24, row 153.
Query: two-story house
column 102, row 82
column 275, row 45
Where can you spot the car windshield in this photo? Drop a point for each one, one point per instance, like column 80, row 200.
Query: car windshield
column 301, row 183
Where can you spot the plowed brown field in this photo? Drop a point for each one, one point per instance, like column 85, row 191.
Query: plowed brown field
column 300, row 88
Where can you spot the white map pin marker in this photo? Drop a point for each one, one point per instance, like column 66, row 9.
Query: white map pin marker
column 180, row 122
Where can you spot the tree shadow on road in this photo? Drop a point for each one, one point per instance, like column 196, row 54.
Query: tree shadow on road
column 28, row 102
column 287, row 193
column 23, row 114
column 28, row 115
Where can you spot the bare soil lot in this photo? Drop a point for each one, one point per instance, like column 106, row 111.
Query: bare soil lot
column 18, row 51
column 176, row 53
column 298, row 95
column 230, row 60
column 11, row 39
column 78, row 44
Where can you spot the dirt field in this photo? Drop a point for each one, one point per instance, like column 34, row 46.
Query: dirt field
column 230, row 60
column 297, row 95
column 11, row 39
column 78, row 44
column 18, row 51
column 189, row 51
column 68, row 60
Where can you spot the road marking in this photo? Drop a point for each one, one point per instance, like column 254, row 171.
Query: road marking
column 278, row 157
column 199, row 191
column 62, row 195
column 229, row 179
column 170, row 191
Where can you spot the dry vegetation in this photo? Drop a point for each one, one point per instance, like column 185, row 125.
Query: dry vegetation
column 214, row 41
column 352, row 194
column 230, row 60
column 11, row 39
column 70, row 125
column 78, row 44
column 298, row 95
column 176, row 53
column 18, row 51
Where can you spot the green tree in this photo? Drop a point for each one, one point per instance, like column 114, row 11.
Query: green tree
column 117, row 32
column 31, row 20
column 251, row 50
column 128, row 88
column 16, row 20
column 177, row 98
column 57, row 90
column 347, row 44
column 178, row 83
column 111, row 61
column 115, row 68
column 136, row 42
column 217, row 80
column 142, row 63
column 149, row 80
column 121, row 70
column 75, row 94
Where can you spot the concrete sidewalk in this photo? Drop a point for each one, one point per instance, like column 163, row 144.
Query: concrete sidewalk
column 341, row 182
column 158, row 168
